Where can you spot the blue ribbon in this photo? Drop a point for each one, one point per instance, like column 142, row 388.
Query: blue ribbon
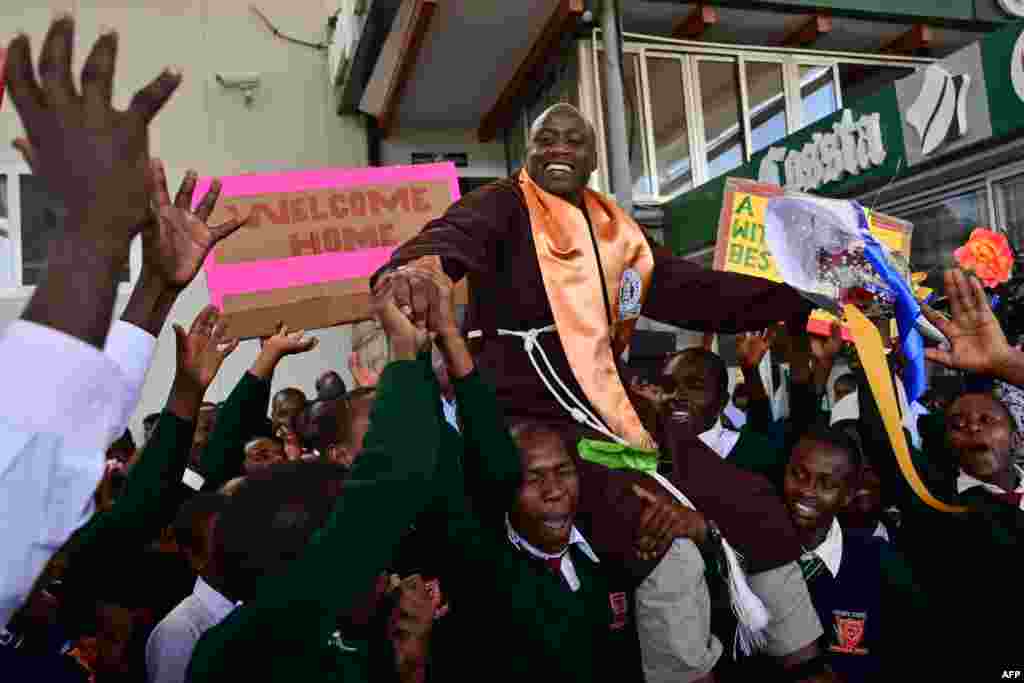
column 915, row 381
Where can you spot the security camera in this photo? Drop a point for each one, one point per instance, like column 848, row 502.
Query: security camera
column 242, row 81
column 246, row 82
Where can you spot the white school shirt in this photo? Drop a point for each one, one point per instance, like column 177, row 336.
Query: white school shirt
column 719, row 439
column 831, row 549
column 65, row 402
column 567, row 567
column 169, row 648
column 966, row 481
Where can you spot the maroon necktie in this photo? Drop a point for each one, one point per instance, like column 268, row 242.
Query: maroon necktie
column 555, row 565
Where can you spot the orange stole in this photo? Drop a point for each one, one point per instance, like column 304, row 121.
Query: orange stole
column 569, row 268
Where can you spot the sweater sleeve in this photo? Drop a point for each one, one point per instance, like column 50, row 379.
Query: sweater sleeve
column 150, row 500
column 690, row 296
column 298, row 610
column 237, row 422
column 491, row 459
column 464, row 238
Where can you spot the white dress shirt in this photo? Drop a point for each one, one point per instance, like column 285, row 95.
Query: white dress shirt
column 719, row 439
column 966, row 481
column 65, row 403
column 831, row 549
column 567, row 567
column 735, row 415
column 451, row 412
column 881, row 532
column 169, row 648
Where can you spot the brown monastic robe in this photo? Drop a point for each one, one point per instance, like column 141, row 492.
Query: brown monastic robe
column 486, row 237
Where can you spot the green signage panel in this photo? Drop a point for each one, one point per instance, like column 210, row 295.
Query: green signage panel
column 974, row 96
column 1002, row 56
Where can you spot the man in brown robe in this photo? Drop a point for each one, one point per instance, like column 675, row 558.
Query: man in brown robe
column 487, row 237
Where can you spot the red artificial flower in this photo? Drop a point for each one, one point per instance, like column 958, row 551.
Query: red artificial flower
column 987, row 254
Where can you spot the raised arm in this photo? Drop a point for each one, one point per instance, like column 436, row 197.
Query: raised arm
column 377, row 507
column 687, row 295
column 978, row 343
column 152, row 492
column 246, row 408
column 94, row 158
column 751, row 349
column 464, row 236
column 490, row 458
column 464, row 240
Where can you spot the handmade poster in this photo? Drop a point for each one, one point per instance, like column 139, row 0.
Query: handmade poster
column 742, row 248
column 313, row 240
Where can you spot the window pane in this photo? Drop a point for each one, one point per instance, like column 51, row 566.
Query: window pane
column 941, row 228
column 42, row 218
column 817, row 92
column 860, row 80
column 767, row 100
column 1010, row 205
column 671, row 132
column 720, row 102
column 6, row 246
column 635, row 130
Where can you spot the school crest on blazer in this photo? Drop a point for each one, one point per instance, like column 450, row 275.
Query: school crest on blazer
column 849, row 631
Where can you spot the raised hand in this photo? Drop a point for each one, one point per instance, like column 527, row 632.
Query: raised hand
column 407, row 338
column 284, row 343
column 826, row 350
column 362, row 375
column 412, row 292
column 274, row 348
column 94, row 157
column 752, row 347
column 176, row 243
column 977, row 341
column 202, row 350
column 410, row 626
column 662, row 522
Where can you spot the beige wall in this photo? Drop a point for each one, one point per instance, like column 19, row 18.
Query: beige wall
column 292, row 124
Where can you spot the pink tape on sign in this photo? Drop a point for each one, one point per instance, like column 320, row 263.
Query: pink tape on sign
column 240, row 278
column 296, row 181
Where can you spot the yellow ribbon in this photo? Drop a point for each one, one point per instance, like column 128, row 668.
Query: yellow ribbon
column 872, row 357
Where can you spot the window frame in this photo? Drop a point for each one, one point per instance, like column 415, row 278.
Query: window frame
column 12, row 170
column 689, row 54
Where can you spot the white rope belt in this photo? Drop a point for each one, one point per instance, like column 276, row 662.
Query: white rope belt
column 580, row 412
column 751, row 613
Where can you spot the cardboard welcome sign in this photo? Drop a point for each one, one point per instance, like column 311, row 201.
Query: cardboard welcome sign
column 313, row 239
column 742, row 248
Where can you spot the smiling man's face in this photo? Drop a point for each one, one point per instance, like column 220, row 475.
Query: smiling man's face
column 819, row 482
column 561, row 155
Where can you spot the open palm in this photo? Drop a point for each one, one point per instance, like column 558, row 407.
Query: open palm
column 977, row 341
column 175, row 245
column 824, row 349
column 202, row 350
column 752, row 347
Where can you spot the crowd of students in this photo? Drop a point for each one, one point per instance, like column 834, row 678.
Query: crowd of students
column 402, row 530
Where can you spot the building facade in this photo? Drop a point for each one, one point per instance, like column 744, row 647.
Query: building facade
column 710, row 89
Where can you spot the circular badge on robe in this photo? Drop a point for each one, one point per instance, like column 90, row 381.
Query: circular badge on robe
column 630, row 290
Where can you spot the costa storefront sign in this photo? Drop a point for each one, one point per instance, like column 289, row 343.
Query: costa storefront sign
column 851, row 147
